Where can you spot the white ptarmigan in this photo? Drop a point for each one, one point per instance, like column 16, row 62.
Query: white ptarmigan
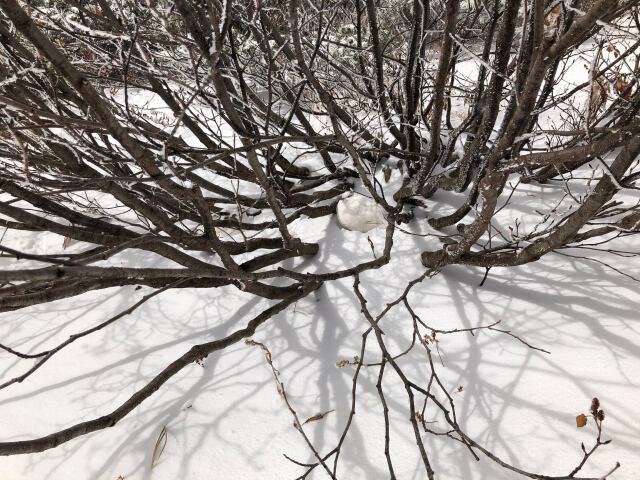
column 359, row 213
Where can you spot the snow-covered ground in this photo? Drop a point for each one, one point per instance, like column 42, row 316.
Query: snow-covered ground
column 225, row 419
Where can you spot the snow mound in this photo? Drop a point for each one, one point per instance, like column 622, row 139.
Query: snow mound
column 360, row 214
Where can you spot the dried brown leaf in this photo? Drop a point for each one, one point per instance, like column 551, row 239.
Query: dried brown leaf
column 373, row 248
column 317, row 417
column 581, row 420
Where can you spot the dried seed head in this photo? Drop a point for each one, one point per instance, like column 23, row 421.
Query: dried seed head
column 601, row 415
column 595, row 404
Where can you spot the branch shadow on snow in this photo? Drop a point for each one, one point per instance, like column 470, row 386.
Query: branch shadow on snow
column 229, row 409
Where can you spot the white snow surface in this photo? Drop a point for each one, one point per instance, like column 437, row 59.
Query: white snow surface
column 225, row 419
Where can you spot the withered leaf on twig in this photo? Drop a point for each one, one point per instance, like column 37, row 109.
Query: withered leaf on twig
column 317, row 417
column 345, row 362
column 387, row 174
column 373, row 248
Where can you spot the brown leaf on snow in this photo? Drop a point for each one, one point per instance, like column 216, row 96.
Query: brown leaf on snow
column 581, row 420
